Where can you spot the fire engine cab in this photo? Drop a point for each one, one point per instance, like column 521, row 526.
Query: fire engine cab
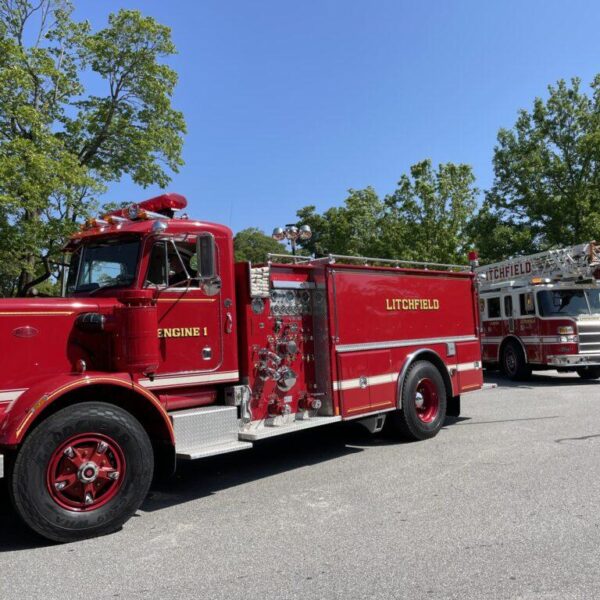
column 542, row 311
column 162, row 349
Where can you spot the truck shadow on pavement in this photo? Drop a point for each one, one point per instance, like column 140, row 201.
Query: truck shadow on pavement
column 552, row 379
column 202, row 478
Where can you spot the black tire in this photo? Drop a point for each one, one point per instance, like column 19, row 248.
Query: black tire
column 45, row 509
column 589, row 372
column 513, row 363
column 412, row 422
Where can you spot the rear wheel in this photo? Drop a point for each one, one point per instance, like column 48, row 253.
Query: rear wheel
column 423, row 409
column 514, row 365
column 589, row 372
column 82, row 472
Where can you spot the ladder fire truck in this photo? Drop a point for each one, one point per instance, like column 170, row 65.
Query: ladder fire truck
column 542, row 311
column 162, row 348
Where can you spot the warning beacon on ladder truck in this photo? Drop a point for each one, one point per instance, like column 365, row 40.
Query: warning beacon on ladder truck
column 542, row 311
column 163, row 349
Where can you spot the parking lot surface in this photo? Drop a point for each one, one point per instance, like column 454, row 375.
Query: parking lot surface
column 503, row 503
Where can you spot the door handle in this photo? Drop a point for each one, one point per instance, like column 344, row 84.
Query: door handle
column 228, row 323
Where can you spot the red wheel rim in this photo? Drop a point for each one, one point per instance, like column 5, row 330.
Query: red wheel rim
column 85, row 472
column 427, row 401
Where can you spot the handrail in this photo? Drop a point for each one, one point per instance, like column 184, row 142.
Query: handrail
column 296, row 258
column 396, row 262
column 365, row 260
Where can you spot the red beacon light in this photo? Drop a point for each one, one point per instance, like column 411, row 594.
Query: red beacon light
column 165, row 205
column 473, row 259
column 159, row 207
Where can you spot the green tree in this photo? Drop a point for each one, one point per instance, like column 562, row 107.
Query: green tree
column 253, row 245
column 353, row 229
column 425, row 218
column 435, row 207
column 78, row 109
column 546, row 189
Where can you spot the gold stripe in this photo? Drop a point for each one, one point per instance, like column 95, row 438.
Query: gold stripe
column 382, row 404
column 23, row 423
column 469, row 387
column 359, row 408
column 36, row 313
column 186, row 300
column 388, row 403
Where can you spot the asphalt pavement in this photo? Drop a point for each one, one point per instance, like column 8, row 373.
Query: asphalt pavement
column 503, row 503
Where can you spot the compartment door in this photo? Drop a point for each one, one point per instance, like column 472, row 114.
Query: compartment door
column 365, row 382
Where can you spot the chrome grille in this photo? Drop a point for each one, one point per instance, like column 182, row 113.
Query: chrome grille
column 589, row 336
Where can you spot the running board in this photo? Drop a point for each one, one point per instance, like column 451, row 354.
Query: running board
column 206, row 451
column 262, row 431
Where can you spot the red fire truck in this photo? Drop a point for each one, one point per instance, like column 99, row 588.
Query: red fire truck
column 162, row 349
column 543, row 312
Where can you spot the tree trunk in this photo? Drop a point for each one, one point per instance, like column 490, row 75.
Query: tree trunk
column 26, row 277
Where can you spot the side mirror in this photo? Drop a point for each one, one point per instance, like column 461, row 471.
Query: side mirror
column 206, row 253
column 206, row 256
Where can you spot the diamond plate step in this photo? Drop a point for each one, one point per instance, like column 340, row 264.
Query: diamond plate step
column 260, row 431
column 205, row 431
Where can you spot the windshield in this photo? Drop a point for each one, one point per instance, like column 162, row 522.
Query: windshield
column 569, row 302
column 110, row 263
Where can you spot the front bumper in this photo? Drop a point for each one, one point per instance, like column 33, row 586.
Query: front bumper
column 574, row 360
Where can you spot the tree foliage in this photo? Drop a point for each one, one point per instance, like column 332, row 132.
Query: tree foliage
column 435, row 207
column 253, row 245
column 425, row 218
column 546, row 189
column 352, row 229
column 78, row 109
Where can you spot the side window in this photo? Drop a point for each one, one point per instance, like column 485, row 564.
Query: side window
column 493, row 308
column 172, row 265
column 157, row 271
column 508, row 306
column 182, row 265
column 526, row 303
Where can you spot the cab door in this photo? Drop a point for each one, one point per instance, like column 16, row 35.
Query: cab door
column 527, row 327
column 189, row 314
column 509, row 324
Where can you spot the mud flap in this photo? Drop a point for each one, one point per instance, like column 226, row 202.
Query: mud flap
column 453, row 407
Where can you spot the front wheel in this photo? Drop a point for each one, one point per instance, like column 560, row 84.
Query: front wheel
column 514, row 364
column 82, row 472
column 424, row 401
column 589, row 372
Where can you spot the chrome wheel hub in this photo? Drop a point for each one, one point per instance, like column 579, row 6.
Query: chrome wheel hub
column 419, row 400
column 88, row 472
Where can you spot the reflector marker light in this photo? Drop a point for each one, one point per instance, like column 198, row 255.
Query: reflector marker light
column 114, row 219
column 566, row 330
column 91, row 223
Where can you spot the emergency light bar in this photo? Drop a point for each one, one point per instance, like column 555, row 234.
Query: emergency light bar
column 160, row 208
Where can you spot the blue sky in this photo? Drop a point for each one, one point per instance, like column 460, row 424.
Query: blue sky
column 291, row 103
